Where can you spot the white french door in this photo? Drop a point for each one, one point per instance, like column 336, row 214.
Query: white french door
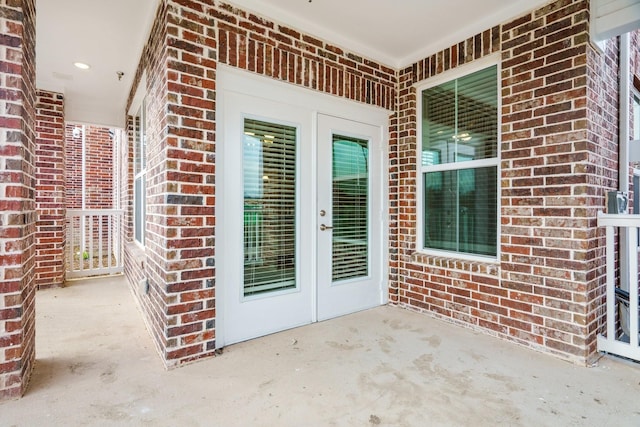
column 301, row 229
column 266, row 218
column 349, row 216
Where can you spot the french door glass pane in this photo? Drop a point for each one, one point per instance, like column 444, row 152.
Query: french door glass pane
column 460, row 210
column 269, row 175
column 350, row 243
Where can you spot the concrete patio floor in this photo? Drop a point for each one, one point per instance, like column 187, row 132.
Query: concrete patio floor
column 96, row 365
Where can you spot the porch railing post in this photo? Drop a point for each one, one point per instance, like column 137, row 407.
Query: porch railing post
column 632, row 237
column 611, row 284
column 615, row 342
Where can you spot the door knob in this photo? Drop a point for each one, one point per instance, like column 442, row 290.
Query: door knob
column 325, row 227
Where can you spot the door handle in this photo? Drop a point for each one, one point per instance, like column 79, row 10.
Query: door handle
column 325, row 227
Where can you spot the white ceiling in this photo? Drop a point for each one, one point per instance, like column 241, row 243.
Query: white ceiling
column 106, row 34
column 109, row 35
column 394, row 32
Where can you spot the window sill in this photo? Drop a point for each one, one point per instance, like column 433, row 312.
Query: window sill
column 489, row 266
column 137, row 253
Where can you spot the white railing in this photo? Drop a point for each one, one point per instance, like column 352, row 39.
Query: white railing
column 94, row 242
column 622, row 305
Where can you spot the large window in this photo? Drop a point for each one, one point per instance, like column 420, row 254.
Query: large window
column 140, row 171
column 459, row 164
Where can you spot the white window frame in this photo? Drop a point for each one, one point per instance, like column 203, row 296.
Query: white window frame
column 138, row 112
column 447, row 76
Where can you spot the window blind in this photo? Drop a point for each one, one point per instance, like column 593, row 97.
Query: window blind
column 350, row 192
column 269, row 174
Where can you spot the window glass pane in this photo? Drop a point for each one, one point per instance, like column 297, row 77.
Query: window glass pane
column 269, row 171
column 477, row 125
column 140, row 140
column 139, row 209
column 460, row 118
column 439, row 124
column 461, row 210
column 350, row 194
column 137, row 144
column 139, row 165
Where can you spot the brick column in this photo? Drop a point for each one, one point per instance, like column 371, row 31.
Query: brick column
column 188, row 199
column 17, row 195
column 50, row 187
column 178, row 258
column 559, row 156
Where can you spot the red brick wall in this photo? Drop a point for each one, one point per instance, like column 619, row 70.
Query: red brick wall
column 50, row 190
column 180, row 57
column 546, row 289
column 602, row 107
column 149, row 265
column 17, row 196
column 73, row 166
column 98, row 167
column 256, row 44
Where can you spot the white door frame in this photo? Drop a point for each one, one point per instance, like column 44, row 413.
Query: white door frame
column 229, row 80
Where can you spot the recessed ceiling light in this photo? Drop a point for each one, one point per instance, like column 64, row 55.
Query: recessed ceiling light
column 82, row 65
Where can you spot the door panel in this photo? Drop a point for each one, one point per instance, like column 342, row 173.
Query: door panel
column 349, row 217
column 279, row 262
column 266, row 216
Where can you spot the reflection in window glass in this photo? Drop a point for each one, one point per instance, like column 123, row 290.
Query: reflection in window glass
column 460, row 210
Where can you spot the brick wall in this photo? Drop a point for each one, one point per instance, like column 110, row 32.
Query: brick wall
column 98, row 167
column 558, row 158
column 73, row 166
column 50, row 190
column 252, row 43
column 17, row 195
column 602, row 106
column 149, row 265
column 187, row 41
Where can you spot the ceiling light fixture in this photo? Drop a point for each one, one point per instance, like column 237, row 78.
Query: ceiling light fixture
column 81, row 65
